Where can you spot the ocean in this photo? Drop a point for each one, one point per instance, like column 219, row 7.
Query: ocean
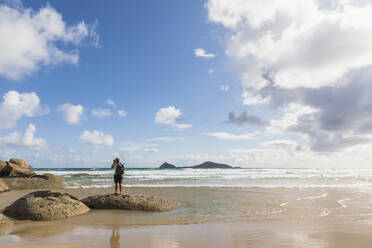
column 243, row 178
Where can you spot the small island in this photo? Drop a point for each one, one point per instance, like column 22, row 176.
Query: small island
column 205, row 165
column 167, row 166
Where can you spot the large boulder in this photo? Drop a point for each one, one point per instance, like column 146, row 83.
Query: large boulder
column 14, row 170
column 3, row 186
column 127, row 202
column 20, row 162
column 46, row 205
column 52, row 178
column 2, row 164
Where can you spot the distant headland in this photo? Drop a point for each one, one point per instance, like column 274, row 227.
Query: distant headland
column 205, row 165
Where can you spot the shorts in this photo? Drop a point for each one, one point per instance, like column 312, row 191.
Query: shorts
column 118, row 178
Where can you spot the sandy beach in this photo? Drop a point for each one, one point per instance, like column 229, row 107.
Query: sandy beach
column 209, row 217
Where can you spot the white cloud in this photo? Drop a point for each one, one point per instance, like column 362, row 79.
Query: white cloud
column 170, row 116
column 15, row 105
column 129, row 146
column 165, row 139
column 122, row 113
column 289, row 145
column 199, row 52
column 71, row 150
column 27, row 140
column 111, row 102
column 97, row 138
column 151, row 150
column 228, row 136
column 210, row 71
column 297, row 43
column 71, row 113
column 101, row 113
column 224, row 87
column 313, row 54
column 30, row 39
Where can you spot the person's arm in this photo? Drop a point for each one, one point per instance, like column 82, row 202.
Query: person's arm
column 113, row 165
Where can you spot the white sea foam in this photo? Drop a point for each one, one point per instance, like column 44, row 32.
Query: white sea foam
column 243, row 178
column 325, row 212
column 284, row 204
column 341, row 202
column 312, row 197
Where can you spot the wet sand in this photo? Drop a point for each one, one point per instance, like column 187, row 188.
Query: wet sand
column 210, row 217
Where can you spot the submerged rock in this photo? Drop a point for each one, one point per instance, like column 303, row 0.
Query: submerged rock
column 3, row 186
column 46, row 205
column 128, row 202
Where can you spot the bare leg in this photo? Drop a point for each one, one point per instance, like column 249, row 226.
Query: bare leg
column 116, row 188
column 120, row 187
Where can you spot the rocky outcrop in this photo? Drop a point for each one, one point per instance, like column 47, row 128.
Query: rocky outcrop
column 46, row 181
column 205, row 165
column 211, row 165
column 14, row 170
column 167, row 166
column 3, row 186
column 128, row 202
column 46, row 205
column 2, row 164
column 20, row 162
column 17, row 174
column 52, row 178
column 4, row 220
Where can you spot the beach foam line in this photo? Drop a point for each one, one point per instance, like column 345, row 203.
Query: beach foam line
column 341, row 202
column 313, row 197
column 325, row 212
column 284, row 204
column 301, row 187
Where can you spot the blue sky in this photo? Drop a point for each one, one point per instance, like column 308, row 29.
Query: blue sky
column 260, row 92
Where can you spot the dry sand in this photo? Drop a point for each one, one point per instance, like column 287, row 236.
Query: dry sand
column 210, row 217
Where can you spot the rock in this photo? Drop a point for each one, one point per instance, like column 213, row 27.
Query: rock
column 3, row 186
column 211, row 165
column 46, row 181
column 14, row 170
column 20, row 162
column 52, row 178
column 46, row 205
column 167, row 166
column 4, row 220
column 2, row 164
column 126, row 202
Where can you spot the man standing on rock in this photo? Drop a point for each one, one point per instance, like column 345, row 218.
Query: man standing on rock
column 118, row 176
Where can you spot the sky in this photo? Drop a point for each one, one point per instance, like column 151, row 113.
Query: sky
column 247, row 83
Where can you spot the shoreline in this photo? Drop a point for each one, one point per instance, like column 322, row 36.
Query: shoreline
column 253, row 217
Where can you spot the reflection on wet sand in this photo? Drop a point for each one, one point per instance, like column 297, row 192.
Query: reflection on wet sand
column 115, row 237
column 39, row 230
